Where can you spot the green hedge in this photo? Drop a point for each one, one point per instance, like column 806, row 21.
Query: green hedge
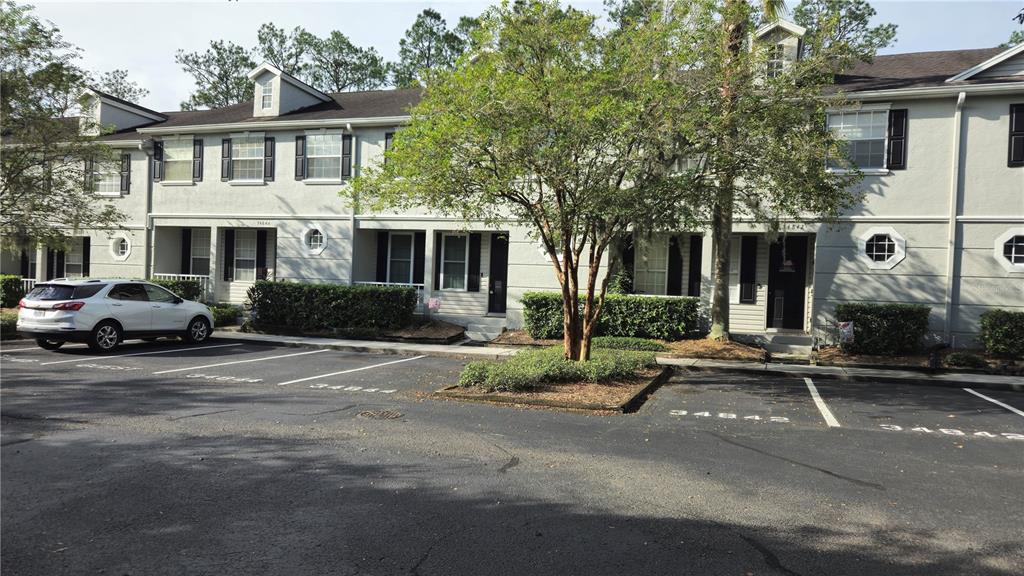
column 1002, row 333
column 884, row 329
column 330, row 307
column 664, row 318
column 532, row 368
column 225, row 314
column 8, row 325
column 10, row 290
column 187, row 289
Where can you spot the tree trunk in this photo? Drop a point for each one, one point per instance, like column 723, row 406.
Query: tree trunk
column 721, row 232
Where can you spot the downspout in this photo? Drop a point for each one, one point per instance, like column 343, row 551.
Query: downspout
column 954, row 202
column 354, row 205
column 147, row 147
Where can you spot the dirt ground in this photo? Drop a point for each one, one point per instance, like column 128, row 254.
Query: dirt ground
column 695, row 348
column 609, row 394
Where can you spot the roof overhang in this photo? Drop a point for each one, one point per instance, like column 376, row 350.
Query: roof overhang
column 1001, row 57
column 277, row 125
column 132, row 108
column 933, row 91
column 268, row 67
column 791, row 27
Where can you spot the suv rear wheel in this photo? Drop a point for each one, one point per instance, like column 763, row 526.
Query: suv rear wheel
column 198, row 330
column 49, row 344
column 105, row 336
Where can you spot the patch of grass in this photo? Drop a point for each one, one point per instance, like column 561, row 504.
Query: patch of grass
column 8, row 325
column 532, row 368
column 627, row 343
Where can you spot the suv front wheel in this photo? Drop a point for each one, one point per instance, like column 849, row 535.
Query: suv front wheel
column 198, row 330
column 105, row 336
column 49, row 344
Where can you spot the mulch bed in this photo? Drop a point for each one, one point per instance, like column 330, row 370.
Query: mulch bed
column 835, row 356
column 695, row 348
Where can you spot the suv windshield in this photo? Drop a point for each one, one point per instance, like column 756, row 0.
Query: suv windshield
column 63, row 292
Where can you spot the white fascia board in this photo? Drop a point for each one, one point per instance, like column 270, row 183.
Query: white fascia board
column 786, row 25
column 1001, row 57
column 268, row 67
column 278, row 125
column 137, row 110
column 932, row 91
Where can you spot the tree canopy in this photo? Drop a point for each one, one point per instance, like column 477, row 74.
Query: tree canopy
column 430, row 45
column 117, row 84
column 220, row 75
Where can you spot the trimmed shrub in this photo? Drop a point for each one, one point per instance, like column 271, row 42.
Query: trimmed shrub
column 8, row 325
column 965, row 360
column 10, row 290
column 330, row 307
column 1002, row 333
column 626, row 343
column 187, row 289
column 884, row 329
column 664, row 318
column 532, row 368
column 620, row 283
column 225, row 314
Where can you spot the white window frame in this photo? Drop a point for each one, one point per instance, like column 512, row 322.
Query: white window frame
column 412, row 256
column 776, row 63
column 267, row 94
column 465, row 263
column 192, row 257
column 999, row 246
column 308, row 235
column 107, row 174
column 865, row 108
column 647, row 270
column 115, row 251
column 260, row 145
column 897, row 257
column 239, row 234
column 185, row 143
column 340, row 135
column 77, row 250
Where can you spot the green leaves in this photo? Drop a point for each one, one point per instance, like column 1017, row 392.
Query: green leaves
column 220, row 74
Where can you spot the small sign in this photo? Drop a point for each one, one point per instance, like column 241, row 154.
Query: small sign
column 434, row 304
column 845, row 332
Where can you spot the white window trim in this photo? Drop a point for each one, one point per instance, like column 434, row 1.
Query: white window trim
column 647, row 269
column 340, row 156
column 997, row 251
column 117, row 181
column 177, row 140
column 76, row 242
column 267, row 89
column 192, row 254
column 869, row 107
column 113, row 247
column 898, row 255
column 260, row 136
column 465, row 261
column 256, row 239
column 323, row 243
column 412, row 256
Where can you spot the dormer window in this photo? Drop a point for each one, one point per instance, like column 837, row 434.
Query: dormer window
column 776, row 60
column 267, row 93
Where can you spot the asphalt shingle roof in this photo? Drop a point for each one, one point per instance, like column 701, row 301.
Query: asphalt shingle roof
column 913, row 70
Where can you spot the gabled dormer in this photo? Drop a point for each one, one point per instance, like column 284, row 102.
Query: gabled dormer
column 104, row 112
column 784, row 41
column 276, row 92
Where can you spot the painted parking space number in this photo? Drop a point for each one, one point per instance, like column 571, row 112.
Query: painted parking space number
column 729, row 416
column 951, row 432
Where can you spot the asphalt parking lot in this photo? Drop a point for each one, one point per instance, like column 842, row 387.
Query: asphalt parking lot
column 237, row 458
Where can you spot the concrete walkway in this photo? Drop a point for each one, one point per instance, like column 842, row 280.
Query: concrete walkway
column 445, row 350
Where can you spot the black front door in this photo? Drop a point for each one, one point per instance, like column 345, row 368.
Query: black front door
column 787, row 283
column 498, row 286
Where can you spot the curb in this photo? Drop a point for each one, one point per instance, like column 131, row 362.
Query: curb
column 871, row 378
column 370, row 347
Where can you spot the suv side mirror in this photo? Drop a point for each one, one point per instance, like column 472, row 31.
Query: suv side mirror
column 178, row 299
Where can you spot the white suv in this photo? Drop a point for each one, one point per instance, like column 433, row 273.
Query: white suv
column 102, row 313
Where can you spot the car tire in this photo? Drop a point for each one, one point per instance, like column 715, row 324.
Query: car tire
column 198, row 330
column 49, row 344
column 105, row 337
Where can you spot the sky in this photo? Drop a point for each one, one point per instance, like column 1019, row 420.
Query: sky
column 143, row 36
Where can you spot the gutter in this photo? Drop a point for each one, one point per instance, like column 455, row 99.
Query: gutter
column 277, row 125
column 147, row 147
column 954, row 202
column 932, row 91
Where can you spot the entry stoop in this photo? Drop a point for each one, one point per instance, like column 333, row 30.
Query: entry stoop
column 783, row 343
column 478, row 328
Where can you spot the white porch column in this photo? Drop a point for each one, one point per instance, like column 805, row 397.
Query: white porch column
column 40, row 263
column 215, row 262
column 430, row 246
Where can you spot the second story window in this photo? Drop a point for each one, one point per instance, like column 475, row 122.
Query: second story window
column 108, row 179
column 324, row 156
column 864, row 134
column 267, row 93
column 776, row 61
column 247, row 158
column 178, row 156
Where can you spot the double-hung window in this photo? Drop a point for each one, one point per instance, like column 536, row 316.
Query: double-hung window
column 863, row 132
column 400, row 258
column 776, row 61
column 245, row 255
column 323, row 156
column 651, row 276
column 200, row 257
column 178, row 160
column 453, row 262
column 73, row 260
column 247, row 158
column 267, row 93
column 108, row 179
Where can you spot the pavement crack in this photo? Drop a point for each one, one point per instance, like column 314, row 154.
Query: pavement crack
column 512, row 463
column 798, row 463
column 199, row 414
column 13, row 442
column 769, row 557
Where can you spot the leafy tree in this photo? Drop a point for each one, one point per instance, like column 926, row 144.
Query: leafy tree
column 427, row 45
column 219, row 74
column 117, row 84
column 1016, row 37
column 46, row 148
column 571, row 134
column 285, row 50
column 843, row 27
column 337, row 65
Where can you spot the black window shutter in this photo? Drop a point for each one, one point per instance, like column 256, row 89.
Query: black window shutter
column 1016, row 146
column 389, row 139
column 60, row 272
column 229, row 254
column 225, row 159
column 126, row 173
column 419, row 245
column 197, row 160
column 51, row 263
column 86, row 253
column 473, row 283
column 158, row 161
column 24, row 264
column 675, row 268
column 261, row 254
column 186, row 250
column 382, row 256
column 300, row 157
column 346, row 156
column 437, row 260
column 896, row 155
column 748, row 270
column 696, row 250
column 89, row 175
column 268, row 159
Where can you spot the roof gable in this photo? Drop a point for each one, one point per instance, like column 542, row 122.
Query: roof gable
column 1016, row 54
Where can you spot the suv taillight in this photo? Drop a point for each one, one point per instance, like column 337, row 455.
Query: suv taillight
column 69, row 306
column 21, row 303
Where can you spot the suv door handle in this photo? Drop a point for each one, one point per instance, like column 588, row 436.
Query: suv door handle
column 116, row 304
column 156, row 306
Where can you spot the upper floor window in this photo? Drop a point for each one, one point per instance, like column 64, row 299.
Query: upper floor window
column 864, row 134
column 776, row 60
column 323, row 156
column 108, row 179
column 247, row 158
column 267, row 93
column 178, row 157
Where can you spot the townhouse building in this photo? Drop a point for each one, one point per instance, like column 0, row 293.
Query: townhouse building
column 251, row 191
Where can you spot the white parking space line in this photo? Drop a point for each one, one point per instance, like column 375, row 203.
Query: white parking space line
column 239, row 362
column 822, row 407
column 139, row 354
column 996, row 402
column 351, row 370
